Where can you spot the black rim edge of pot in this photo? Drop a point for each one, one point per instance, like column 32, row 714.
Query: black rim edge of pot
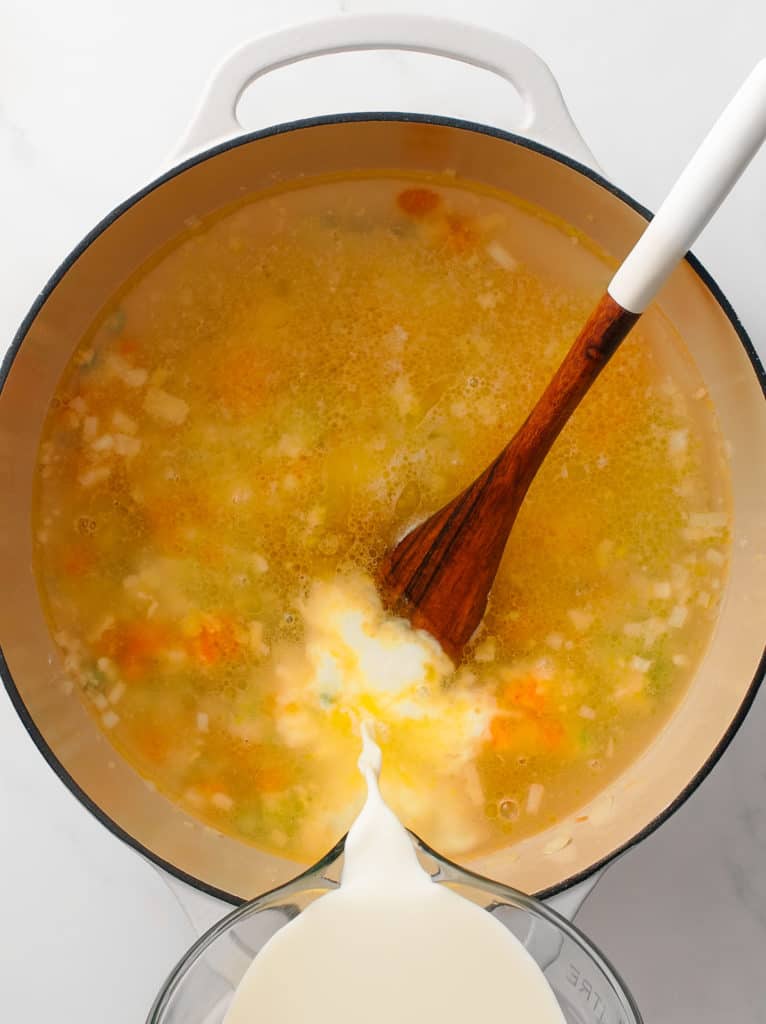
column 312, row 122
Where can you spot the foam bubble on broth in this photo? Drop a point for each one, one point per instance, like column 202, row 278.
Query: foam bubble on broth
column 277, row 398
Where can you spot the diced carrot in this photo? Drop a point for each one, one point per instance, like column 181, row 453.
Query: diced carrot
column 128, row 346
column 216, row 641
column 525, row 735
column 515, row 735
column 135, row 645
column 208, row 787
column 551, row 732
column 418, row 202
column 153, row 742
column 502, row 731
column 461, row 235
column 270, row 779
column 525, row 695
column 77, row 560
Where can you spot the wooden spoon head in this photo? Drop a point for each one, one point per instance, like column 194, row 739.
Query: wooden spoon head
column 440, row 574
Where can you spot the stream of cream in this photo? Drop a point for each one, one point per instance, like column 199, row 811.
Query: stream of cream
column 390, row 945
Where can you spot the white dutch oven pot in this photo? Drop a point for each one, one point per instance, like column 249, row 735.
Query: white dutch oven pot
column 547, row 164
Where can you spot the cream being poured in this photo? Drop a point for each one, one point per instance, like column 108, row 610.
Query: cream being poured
column 391, row 945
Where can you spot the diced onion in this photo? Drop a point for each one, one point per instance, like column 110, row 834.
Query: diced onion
column 678, row 442
column 109, row 719
column 486, row 650
column 678, row 616
column 290, row 445
column 534, row 797
column 131, row 376
column 104, row 443
column 630, row 689
column 640, row 664
column 501, row 256
column 94, row 475
column 116, row 693
column 255, row 633
column 166, row 407
column 580, row 619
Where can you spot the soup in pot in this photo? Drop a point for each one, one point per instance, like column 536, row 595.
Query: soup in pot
column 275, row 399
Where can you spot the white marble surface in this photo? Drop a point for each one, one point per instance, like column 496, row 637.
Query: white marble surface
column 93, row 96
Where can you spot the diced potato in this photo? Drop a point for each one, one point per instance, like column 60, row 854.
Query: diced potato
column 94, row 475
column 167, row 408
column 132, row 376
column 123, row 423
column 580, row 619
column 535, row 795
column 126, row 445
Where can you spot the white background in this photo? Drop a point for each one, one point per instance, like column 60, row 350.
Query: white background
column 93, row 97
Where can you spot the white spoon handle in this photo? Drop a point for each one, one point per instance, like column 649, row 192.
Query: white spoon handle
column 733, row 141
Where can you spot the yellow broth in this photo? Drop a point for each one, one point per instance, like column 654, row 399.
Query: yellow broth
column 267, row 406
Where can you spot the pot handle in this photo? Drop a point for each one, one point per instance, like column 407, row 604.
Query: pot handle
column 569, row 902
column 202, row 911
column 546, row 118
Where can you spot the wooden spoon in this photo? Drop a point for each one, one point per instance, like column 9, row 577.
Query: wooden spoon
column 440, row 575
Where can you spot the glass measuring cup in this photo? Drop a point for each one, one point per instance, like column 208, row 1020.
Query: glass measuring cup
column 201, row 986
